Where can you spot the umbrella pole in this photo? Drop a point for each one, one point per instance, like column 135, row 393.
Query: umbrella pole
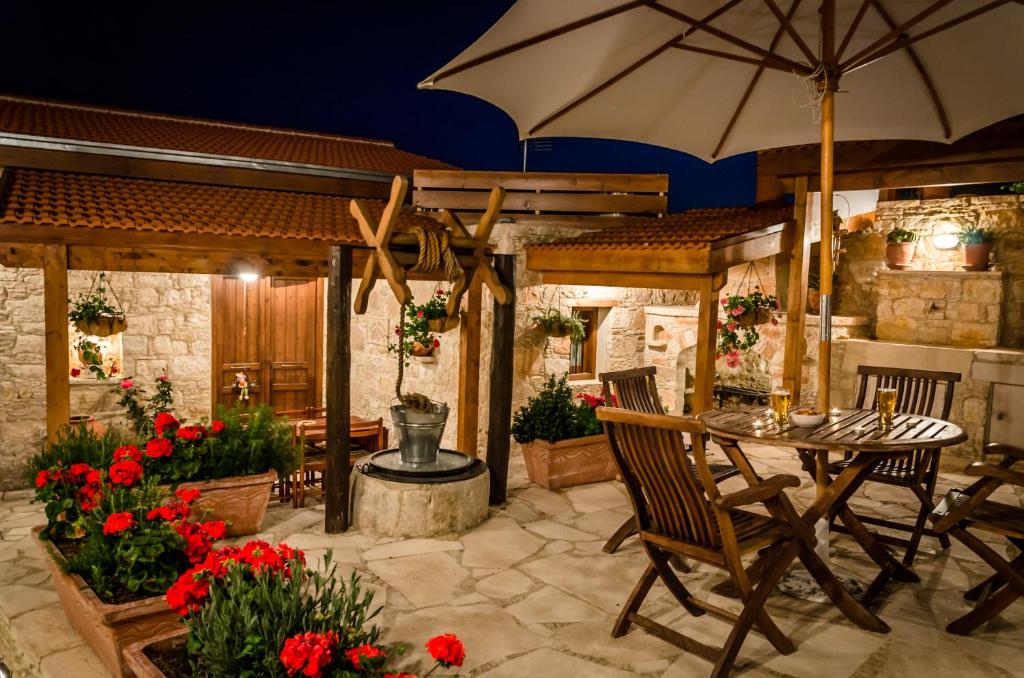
column 827, row 170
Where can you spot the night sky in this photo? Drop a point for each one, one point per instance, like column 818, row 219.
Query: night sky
column 346, row 67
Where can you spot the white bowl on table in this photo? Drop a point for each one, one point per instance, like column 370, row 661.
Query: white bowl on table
column 807, row 420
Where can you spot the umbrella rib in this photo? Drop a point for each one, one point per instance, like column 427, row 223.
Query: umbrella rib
column 787, row 24
column 529, row 42
column 765, row 63
column 896, row 31
column 928, row 83
column 753, row 83
column 904, row 40
column 629, row 69
column 852, row 28
column 728, row 37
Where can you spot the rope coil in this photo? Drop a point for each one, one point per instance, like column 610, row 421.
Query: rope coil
column 436, row 252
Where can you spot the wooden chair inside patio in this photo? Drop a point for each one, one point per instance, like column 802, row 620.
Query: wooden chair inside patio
column 961, row 513
column 309, row 478
column 637, row 390
column 680, row 511
column 919, row 392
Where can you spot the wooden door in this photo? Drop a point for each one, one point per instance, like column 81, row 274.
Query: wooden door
column 272, row 330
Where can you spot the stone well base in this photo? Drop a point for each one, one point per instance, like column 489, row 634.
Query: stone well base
column 418, row 510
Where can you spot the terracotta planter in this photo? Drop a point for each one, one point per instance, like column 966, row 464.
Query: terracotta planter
column 569, row 462
column 103, row 326
column 898, row 255
column 135, row 654
column 240, row 501
column 93, row 424
column 977, row 255
column 444, row 324
column 107, row 628
column 421, row 351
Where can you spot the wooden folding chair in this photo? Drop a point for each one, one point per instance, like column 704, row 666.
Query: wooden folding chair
column 637, row 390
column 962, row 512
column 680, row 511
column 916, row 393
column 308, row 478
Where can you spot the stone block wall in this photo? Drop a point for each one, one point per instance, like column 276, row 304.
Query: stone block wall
column 945, row 308
column 169, row 327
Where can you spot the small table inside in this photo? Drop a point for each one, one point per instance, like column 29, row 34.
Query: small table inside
column 850, row 431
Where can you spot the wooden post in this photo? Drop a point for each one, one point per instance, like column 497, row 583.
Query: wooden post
column 796, row 298
column 469, row 370
column 339, row 369
column 707, row 333
column 55, row 315
column 829, row 85
column 499, row 429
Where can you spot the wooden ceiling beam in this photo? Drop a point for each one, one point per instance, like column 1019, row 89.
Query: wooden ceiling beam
column 658, row 281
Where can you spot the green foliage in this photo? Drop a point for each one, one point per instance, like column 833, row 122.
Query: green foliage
column 253, row 441
column 975, row 235
column 139, row 412
column 91, row 355
column 554, row 415
column 733, row 336
column 557, row 324
column 1016, row 187
column 242, row 627
column 75, row 445
column 92, row 305
column 417, row 325
column 901, row 235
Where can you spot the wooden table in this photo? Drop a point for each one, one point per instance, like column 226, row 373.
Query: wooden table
column 359, row 429
column 853, row 431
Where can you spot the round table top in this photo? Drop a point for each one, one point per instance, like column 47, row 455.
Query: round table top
column 851, row 429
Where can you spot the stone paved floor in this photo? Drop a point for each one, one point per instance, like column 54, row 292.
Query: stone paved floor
column 531, row 594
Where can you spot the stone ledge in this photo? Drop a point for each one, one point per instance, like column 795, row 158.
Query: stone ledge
column 941, row 273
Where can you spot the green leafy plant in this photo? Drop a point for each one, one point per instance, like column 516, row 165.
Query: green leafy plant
column 418, row 337
column 554, row 414
column 901, row 235
column 91, row 355
column 738, row 332
column 141, row 412
column 1016, row 187
column 251, row 440
column 975, row 235
column 93, row 305
column 557, row 324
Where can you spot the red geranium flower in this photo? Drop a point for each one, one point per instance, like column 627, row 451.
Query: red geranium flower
column 42, row 478
column 192, row 433
column 118, row 522
column 79, row 471
column 447, row 650
column 125, row 472
column 187, row 494
column 164, row 421
column 363, row 653
column 437, row 342
column 216, row 427
column 127, row 384
column 419, row 314
column 159, row 447
column 308, row 653
column 127, row 452
column 188, row 593
column 75, row 372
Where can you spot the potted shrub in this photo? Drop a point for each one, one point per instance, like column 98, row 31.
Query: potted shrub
column 562, row 440
column 259, row 610
column 115, row 543
column 899, row 248
column 738, row 331
column 554, row 323
column 93, row 313
column 978, row 243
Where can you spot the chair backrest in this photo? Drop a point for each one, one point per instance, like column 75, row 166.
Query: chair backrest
column 922, row 392
column 313, row 412
column 669, row 491
column 634, row 389
column 291, row 415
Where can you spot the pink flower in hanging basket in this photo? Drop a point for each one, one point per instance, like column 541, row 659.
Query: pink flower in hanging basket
column 725, row 302
column 738, row 311
column 732, row 359
column 127, row 384
column 731, row 327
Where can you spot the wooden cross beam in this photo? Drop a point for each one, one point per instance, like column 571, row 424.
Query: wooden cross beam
column 470, row 250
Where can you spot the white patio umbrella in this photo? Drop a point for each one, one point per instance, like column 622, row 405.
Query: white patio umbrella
column 716, row 78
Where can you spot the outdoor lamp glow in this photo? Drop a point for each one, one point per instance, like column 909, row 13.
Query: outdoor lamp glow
column 945, row 241
column 248, row 276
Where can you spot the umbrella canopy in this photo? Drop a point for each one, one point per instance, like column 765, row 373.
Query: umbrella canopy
column 714, row 78
column 719, row 77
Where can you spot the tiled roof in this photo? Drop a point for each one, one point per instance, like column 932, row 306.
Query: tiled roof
column 693, row 229
column 46, row 198
column 147, row 130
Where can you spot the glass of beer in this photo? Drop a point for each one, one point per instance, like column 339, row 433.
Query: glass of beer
column 780, row 401
column 885, row 398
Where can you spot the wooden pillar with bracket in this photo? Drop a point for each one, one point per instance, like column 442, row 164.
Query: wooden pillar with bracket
column 799, row 256
column 499, row 429
column 55, row 315
column 469, row 370
column 337, row 512
column 707, row 333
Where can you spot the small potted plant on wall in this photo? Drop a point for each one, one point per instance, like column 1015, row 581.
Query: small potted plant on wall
column 435, row 311
column 900, row 244
column 978, row 243
column 562, row 441
column 93, row 313
column 554, row 323
column 417, row 338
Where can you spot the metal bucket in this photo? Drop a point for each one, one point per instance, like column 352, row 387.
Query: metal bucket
column 419, row 433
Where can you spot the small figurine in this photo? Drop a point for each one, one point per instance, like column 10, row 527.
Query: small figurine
column 242, row 385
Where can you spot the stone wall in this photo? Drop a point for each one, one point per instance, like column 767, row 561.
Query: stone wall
column 864, row 251
column 945, row 308
column 168, row 327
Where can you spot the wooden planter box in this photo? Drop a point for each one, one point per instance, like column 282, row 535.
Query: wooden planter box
column 135, row 654
column 107, row 628
column 569, row 462
column 240, row 501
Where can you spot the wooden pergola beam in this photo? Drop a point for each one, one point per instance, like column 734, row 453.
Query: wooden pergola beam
column 55, row 320
column 339, row 399
column 798, row 259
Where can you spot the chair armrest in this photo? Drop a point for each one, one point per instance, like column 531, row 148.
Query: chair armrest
column 764, row 490
column 980, row 469
column 1006, row 450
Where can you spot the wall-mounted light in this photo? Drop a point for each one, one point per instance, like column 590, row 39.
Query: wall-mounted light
column 945, row 241
column 248, row 276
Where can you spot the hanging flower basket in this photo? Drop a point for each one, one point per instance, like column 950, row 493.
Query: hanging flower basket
column 760, row 316
column 96, row 315
column 422, row 350
column 442, row 324
column 103, row 325
column 556, row 324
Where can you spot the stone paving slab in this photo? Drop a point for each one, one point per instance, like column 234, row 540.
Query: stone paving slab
column 531, row 594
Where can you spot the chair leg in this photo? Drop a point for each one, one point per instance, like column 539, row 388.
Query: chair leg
column 993, row 583
column 986, row 610
column 635, row 600
column 764, row 622
column 660, row 561
column 753, row 609
column 998, row 602
column 625, row 531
